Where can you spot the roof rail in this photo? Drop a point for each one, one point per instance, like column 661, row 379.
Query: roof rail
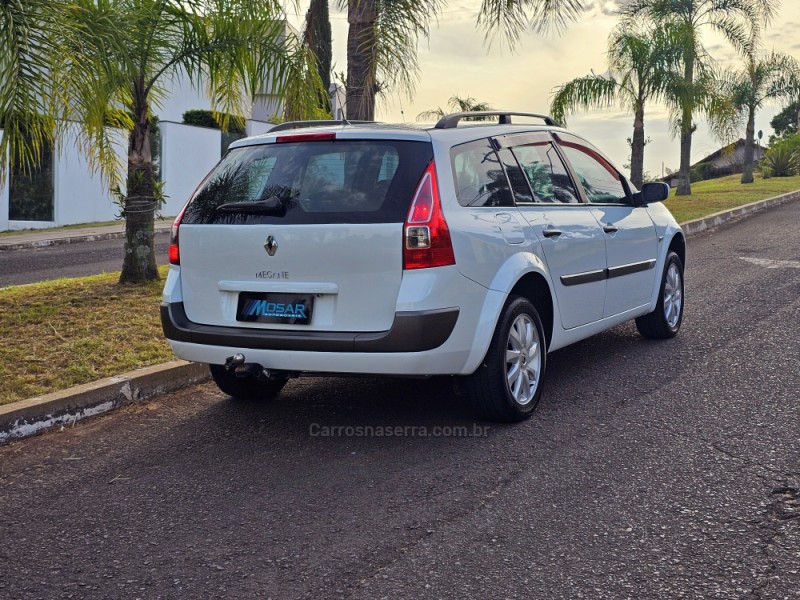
column 451, row 121
column 318, row 123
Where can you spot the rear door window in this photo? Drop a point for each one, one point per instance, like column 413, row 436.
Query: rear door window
column 546, row 173
column 339, row 181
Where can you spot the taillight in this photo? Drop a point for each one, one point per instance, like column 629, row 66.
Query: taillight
column 426, row 235
column 174, row 248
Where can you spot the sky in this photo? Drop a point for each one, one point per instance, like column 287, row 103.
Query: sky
column 457, row 61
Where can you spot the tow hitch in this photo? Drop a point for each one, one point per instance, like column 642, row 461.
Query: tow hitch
column 236, row 364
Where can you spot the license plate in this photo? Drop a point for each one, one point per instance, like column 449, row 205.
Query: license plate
column 260, row 307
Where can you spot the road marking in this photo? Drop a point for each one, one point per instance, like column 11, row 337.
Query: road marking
column 770, row 263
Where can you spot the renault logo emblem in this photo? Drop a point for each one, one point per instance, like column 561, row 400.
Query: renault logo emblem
column 271, row 246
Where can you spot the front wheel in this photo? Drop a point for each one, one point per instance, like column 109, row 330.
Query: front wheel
column 665, row 321
column 508, row 384
column 246, row 388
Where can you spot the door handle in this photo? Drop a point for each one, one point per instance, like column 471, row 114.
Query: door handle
column 610, row 228
column 550, row 232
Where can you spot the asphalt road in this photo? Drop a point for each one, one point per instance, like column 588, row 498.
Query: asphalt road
column 69, row 260
column 651, row 470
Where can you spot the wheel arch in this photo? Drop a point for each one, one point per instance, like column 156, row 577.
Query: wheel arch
column 524, row 274
column 536, row 289
column 678, row 245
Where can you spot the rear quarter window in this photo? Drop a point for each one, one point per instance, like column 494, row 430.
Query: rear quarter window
column 479, row 178
column 340, row 181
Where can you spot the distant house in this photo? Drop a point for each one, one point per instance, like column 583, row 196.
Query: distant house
column 725, row 161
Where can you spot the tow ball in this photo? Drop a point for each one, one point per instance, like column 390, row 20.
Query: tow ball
column 237, row 365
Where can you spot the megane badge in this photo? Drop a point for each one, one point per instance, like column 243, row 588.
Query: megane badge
column 271, row 246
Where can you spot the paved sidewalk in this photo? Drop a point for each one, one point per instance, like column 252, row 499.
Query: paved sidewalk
column 65, row 407
column 36, row 238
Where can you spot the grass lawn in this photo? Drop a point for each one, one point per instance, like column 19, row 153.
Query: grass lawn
column 714, row 195
column 62, row 333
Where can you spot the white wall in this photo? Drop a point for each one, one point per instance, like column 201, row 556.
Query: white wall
column 266, row 106
column 338, row 101
column 188, row 153
column 182, row 96
column 253, row 127
column 80, row 194
column 4, row 197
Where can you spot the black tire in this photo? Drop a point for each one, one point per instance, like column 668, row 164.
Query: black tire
column 665, row 321
column 245, row 388
column 488, row 388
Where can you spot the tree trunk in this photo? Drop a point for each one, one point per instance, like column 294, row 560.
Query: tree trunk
column 637, row 148
column 687, row 129
column 317, row 36
column 749, row 147
column 684, row 174
column 139, row 262
column 798, row 116
column 361, row 67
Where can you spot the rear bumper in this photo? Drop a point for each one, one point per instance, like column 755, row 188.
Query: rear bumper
column 416, row 331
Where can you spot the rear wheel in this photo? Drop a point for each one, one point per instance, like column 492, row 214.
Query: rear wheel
column 246, row 388
column 508, row 384
column 665, row 321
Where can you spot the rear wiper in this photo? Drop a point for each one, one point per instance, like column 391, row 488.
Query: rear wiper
column 271, row 206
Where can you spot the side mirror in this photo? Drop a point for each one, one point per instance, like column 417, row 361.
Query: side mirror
column 651, row 192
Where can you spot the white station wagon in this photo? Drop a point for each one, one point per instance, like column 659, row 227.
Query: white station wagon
column 465, row 249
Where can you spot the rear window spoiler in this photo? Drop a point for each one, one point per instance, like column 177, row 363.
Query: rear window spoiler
column 318, row 123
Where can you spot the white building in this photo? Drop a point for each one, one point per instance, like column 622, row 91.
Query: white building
column 67, row 192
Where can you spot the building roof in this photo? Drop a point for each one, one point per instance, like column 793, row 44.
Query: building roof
column 727, row 151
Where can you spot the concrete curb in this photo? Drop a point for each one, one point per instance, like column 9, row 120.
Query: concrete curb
column 35, row 415
column 41, row 239
column 696, row 226
column 65, row 407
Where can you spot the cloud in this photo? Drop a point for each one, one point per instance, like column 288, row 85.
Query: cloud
column 608, row 8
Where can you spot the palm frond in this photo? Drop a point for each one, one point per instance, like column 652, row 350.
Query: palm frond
column 592, row 91
column 399, row 27
column 508, row 19
column 32, row 91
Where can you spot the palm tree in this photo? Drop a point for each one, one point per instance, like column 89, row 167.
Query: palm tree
column 84, row 59
column 458, row 104
column 794, row 85
column 763, row 78
column 235, row 48
column 738, row 21
column 383, row 35
column 34, row 97
column 640, row 64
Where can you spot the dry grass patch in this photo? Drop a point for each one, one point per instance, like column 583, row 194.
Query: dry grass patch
column 715, row 195
column 62, row 333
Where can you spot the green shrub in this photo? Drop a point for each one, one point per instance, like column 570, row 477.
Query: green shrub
column 207, row 118
column 782, row 160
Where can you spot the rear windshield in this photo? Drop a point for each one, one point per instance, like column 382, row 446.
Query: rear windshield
column 337, row 181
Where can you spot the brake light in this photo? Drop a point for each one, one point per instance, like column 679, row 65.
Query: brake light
column 426, row 235
column 174, row 249
column 306, row 137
